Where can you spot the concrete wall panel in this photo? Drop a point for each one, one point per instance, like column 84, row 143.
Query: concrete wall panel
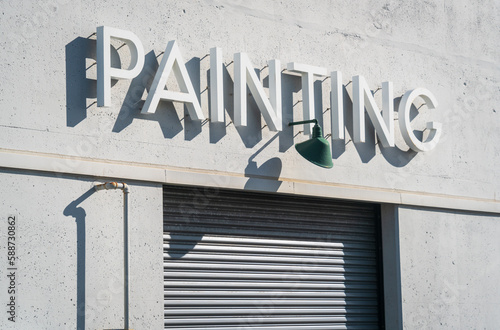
column 69, row 247
column 48, row 86
column 450, row 265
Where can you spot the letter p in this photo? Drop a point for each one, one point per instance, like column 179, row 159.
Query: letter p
column 104, row 70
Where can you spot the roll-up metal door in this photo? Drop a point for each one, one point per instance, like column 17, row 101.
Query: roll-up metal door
column 244, row 260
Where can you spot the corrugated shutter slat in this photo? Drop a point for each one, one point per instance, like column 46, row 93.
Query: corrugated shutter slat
column 237, row 259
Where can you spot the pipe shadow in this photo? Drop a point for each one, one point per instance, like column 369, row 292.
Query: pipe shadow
column 79, row 214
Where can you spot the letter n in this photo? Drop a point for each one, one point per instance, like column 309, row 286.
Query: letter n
column 384, row 124
column 270, row 108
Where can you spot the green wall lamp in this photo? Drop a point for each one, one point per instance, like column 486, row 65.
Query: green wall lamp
column 317, row 149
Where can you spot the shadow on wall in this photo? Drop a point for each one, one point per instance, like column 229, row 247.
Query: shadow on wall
column 266, row 176
column 251, row 134
column 396, row 156
column 80, row 91
column 165, row 115
column 78, row 87
column 181, row 243
column 183, row 221
column 77, row 212
column 367, row 150
column 185, row 234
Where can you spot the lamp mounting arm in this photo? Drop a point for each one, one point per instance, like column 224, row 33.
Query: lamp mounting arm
column 315, row 121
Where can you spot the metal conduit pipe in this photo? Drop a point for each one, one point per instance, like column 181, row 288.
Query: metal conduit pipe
column 124, row 187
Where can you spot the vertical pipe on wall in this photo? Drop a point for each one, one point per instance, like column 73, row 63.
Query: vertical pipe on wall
column 125, row 259
column 124, row 187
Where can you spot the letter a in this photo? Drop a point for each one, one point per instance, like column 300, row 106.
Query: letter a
column 172, row 61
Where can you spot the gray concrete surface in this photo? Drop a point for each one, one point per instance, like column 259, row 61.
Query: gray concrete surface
column 448, row 260
column 69, row 248
column 449, row 269
column 48, row 93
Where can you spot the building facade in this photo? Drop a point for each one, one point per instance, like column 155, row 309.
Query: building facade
column 226, row 225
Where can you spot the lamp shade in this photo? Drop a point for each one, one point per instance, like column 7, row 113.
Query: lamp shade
column 317, row 149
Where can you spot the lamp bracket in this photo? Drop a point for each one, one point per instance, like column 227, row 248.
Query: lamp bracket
column 315, row 121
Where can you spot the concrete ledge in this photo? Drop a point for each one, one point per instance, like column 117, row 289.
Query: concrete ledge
column 23, row 160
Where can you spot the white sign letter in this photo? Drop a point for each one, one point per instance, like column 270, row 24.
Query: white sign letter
column 172, row 61
column 307, row 72
column 337, row 106
column 384, row 125
column 405, row 125
column 244, row 74
column 104, row 70
column 216, row 86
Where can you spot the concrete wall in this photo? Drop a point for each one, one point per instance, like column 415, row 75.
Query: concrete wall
column 69, row 247
column 48, row 112
column 48, row 86
column 450, row 265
